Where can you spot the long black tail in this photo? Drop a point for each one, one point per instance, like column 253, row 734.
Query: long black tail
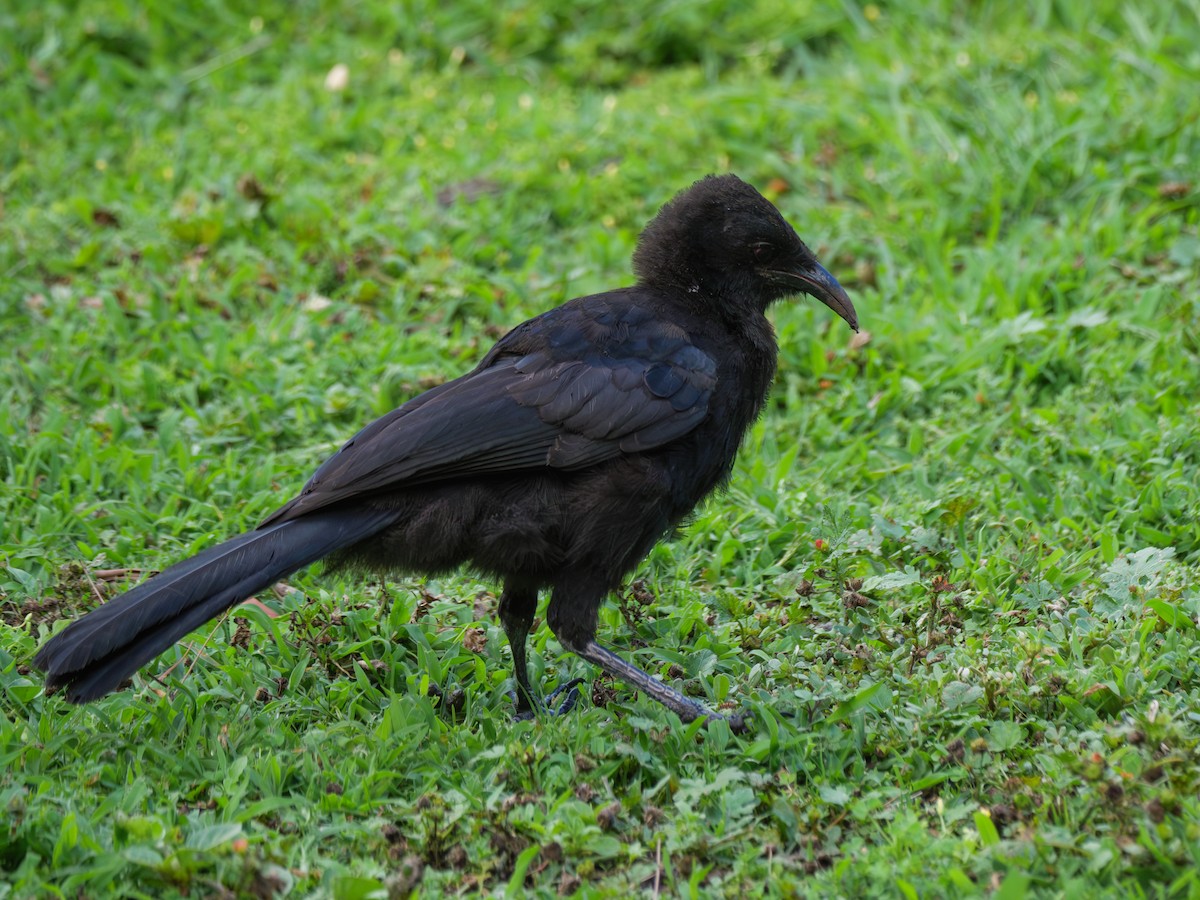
column 95, row 653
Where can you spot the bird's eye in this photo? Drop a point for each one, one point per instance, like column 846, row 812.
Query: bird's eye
column 763, row 252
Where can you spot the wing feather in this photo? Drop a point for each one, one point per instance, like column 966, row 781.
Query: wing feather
column 577, row 386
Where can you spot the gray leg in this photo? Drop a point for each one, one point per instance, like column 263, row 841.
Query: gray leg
column 684, row 707
column 574, row 624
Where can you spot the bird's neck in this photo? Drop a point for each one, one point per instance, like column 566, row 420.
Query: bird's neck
column 745, row 376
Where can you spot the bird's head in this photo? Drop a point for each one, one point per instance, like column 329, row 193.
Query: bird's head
column 723, row 240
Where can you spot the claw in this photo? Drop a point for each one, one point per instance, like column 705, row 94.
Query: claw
column 570, row 688
column 739, row 722
column 522, row 714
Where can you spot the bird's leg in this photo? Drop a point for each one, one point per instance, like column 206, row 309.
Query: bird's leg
column 576, row 630
column 684, row 707
column 518, row 603
column 517, row 606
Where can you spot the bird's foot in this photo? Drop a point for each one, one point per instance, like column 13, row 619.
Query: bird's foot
column 739, row 722
column 570, row 688
column 451, row 700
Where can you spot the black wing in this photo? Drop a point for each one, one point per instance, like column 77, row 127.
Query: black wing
column 583, row 383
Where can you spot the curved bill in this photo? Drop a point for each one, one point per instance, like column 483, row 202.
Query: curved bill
column 812, row 279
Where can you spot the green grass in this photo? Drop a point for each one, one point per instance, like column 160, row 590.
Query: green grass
column 955, row 575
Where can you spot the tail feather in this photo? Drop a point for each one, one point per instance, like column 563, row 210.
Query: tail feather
column 95, row 653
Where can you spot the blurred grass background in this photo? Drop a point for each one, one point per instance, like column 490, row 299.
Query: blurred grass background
column 961, row 555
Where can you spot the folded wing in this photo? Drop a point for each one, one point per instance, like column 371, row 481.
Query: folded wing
column 561, row 391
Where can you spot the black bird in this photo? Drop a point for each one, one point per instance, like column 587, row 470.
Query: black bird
column 583, row 437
